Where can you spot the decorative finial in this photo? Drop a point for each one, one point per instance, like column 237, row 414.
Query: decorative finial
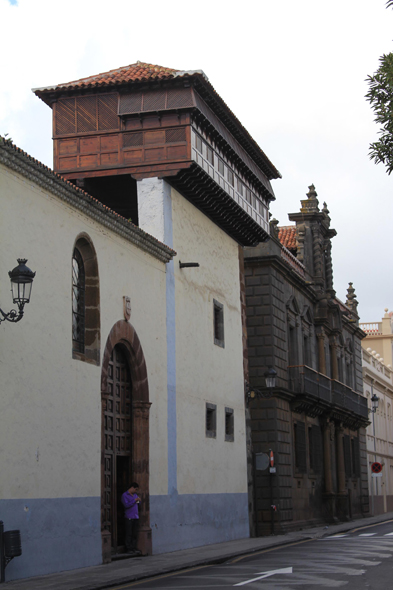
column 274, row 227
column 351, row 301
column 312, row 193
column 325, row 209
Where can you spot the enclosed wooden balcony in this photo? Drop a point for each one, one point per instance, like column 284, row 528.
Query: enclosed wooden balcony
column 317, row 395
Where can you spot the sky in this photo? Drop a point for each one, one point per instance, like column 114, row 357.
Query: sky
column 293, row 72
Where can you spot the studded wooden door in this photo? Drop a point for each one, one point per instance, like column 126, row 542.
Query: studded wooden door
column 117, row 445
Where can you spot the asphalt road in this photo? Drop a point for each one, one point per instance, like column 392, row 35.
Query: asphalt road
column 361, row 559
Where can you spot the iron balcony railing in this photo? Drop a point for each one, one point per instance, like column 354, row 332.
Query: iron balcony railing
column 304, row 380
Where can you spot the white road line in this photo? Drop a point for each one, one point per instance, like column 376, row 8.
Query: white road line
column 285, row 570
column 337, row 536
column 367, row 534
column 388, row 535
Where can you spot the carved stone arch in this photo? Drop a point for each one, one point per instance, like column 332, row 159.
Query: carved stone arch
column 292, row 305
column 89, row 349
column 307, row 314
column 124, row 337
column 124, row 333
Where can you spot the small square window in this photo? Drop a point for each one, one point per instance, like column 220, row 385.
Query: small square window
column 211, row 420
column 218, row 311
column 229, row 425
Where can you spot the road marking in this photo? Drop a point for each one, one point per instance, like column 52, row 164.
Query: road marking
column 367, row 534
column 370, row 526
column 285, row 570
column 337, row 536
column 388, row 535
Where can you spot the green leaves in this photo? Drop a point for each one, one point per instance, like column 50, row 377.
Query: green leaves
column 380, row 96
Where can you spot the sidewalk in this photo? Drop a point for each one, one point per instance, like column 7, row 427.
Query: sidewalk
column 129, row 570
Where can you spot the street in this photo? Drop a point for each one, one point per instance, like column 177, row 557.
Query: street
column 357, row 560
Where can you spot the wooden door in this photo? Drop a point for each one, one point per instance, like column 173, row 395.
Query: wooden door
column 117, row 445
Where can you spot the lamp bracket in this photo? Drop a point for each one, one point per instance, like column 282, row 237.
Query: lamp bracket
column 13, row 315
column 253, row 392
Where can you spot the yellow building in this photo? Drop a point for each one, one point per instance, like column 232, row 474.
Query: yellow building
column 378, row 384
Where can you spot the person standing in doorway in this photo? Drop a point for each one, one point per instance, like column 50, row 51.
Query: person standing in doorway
column 130, row 501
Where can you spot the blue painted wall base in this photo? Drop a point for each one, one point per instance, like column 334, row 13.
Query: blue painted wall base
column 57, row 534
column 193, row 520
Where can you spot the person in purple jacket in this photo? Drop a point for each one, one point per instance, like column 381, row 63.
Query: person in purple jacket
column 130, row 501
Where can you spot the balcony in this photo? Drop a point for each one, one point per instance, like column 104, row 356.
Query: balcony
column 317, row 395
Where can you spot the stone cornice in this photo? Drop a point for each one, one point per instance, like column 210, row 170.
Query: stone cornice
column 22, row 163
column 283, row 266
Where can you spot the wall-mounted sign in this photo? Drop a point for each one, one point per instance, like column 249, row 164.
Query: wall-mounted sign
column 376, row 467
column 127, row 307
column 261, row 461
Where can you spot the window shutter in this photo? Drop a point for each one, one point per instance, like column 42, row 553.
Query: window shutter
column 316, row 453
column 347, row 455
column 300, row 448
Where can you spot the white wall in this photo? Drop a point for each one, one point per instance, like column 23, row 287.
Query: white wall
column 50, row 404
column 206, row 372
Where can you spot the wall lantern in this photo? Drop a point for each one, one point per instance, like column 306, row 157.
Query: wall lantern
column 21, row 283
column 374, row 403
column 270, row 378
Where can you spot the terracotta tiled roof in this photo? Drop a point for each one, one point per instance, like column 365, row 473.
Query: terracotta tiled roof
column 138, row 72
column 287, row 236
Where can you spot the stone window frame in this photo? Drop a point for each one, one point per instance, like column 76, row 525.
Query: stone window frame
column 229, row 425
column 293, row 323
column 308, row 337
column 211, row 420
column 300, row 447
column 89, row 352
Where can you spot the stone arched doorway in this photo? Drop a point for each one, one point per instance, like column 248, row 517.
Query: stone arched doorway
column 125, row 436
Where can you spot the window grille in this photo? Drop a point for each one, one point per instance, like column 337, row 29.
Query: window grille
column 229, row 425
column 218, row 319
column 211, row 420
column 78, row 302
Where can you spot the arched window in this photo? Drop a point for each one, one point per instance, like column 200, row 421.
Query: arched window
column 85, row 302
column 78, row 302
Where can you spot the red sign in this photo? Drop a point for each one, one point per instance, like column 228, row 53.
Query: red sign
column 271, row 459
column 376, row 467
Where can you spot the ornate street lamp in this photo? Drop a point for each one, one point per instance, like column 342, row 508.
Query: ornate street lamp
column 270, row 378
column 374, row 403
column 21, row 282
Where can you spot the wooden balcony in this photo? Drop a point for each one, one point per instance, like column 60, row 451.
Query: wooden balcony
column 318, row 395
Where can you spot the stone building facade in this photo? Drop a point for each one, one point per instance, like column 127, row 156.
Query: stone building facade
column 315, row 420
column 155, row 190
column 378, row 381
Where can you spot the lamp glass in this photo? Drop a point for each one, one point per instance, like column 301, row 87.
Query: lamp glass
column 270, row 377
column 21, row 291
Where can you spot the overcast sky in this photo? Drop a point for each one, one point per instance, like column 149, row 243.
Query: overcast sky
column 293, row 72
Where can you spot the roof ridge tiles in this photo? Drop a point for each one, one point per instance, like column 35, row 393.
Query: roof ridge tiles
column 152, row 71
